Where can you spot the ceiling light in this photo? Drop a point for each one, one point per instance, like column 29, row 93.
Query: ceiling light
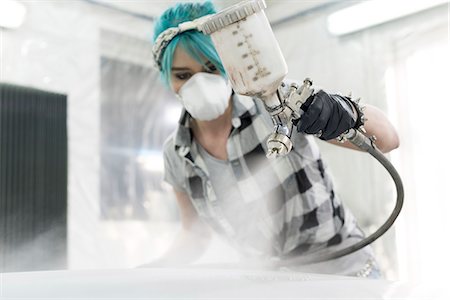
column 12, row 13
column 375, row 12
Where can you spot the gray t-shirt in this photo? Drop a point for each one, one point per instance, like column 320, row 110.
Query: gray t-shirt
column 223, row 182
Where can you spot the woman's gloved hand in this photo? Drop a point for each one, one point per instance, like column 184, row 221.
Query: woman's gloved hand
column 326, row 115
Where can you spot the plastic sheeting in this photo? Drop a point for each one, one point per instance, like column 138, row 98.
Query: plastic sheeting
column 136, row 116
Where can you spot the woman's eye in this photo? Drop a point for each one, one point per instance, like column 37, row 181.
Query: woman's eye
column 183, row 76
column 211, row 68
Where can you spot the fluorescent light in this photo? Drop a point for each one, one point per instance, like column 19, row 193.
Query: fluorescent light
column 12, row 13
column 375, row 12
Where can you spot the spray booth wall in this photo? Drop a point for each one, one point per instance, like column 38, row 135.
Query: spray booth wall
column 120, row 214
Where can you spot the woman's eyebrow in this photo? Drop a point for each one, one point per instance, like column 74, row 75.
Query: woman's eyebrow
column 180, row 69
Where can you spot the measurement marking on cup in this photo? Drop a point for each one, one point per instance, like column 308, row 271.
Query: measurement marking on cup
column 260, row 71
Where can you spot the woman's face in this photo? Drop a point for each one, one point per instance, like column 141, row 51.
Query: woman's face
column 184, row 67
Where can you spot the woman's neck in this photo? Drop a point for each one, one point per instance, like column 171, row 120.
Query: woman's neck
column 213, row 135
column 217, row 127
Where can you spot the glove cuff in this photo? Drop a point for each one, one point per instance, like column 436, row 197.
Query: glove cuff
column 360, row 118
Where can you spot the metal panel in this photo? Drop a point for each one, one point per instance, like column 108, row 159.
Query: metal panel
column 33, row 179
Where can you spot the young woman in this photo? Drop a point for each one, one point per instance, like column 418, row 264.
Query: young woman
column 223, row 181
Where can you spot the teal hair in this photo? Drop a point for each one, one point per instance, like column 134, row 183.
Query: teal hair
column 198, row 45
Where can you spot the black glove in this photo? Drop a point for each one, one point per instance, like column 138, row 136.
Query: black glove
column 327, row 116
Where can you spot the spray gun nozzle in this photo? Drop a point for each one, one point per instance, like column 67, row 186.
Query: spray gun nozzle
column 272, row 153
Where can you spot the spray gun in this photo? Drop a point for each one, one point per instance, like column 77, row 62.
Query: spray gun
column 256, row 67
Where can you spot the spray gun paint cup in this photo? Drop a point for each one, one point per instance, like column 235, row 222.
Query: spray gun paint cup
column 248, row 49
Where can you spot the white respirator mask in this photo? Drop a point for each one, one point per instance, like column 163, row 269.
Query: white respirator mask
column 205, row 96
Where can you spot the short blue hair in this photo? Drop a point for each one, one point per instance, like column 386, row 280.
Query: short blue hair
column 198, row 45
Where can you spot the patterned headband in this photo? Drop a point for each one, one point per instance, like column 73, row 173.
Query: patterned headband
column 167, row 35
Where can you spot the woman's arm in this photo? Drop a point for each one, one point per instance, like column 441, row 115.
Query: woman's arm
column 377, row 124
column 192, row 240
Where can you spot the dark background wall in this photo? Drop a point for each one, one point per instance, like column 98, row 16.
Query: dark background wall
column 33, row 179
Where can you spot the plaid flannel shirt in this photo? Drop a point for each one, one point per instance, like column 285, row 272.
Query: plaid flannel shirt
column 298, row 211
